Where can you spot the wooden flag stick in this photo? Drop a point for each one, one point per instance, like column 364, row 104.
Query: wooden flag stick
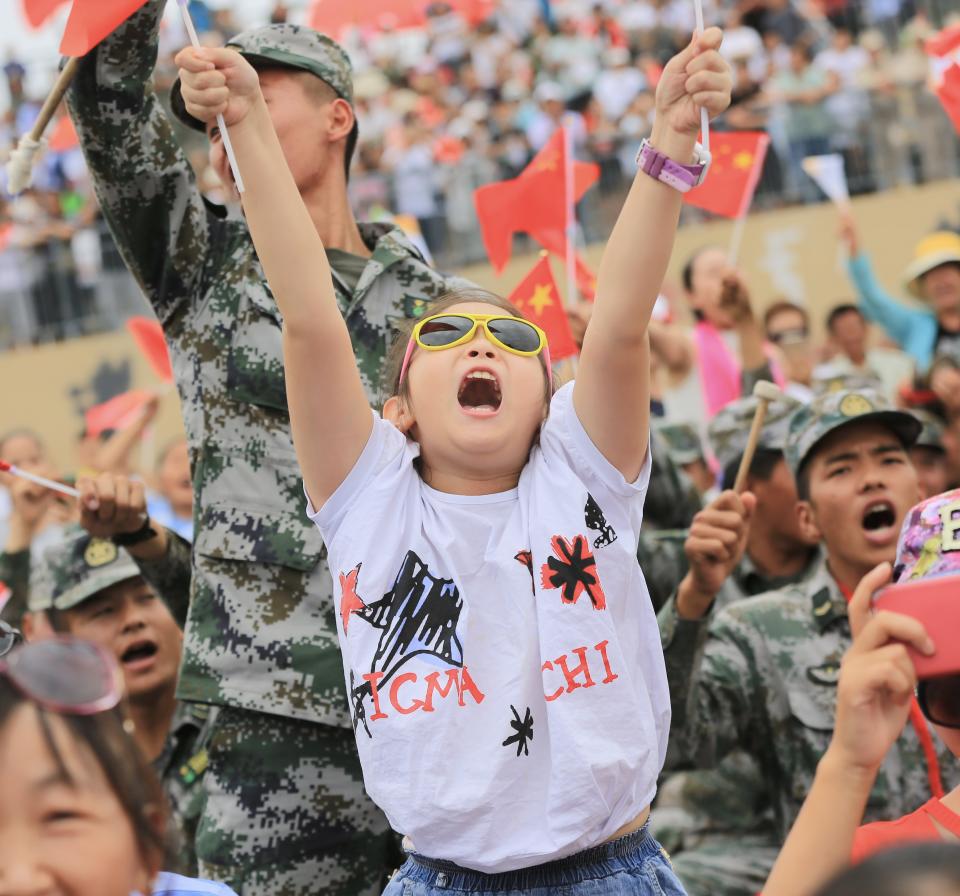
column 766, row 392
column 20, row 164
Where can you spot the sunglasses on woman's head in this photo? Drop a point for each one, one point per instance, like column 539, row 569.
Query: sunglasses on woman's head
column 65, row 675
column 9, row 638
column 939, row 700
column 512, row 334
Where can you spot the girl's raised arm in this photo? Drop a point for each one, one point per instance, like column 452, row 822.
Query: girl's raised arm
column 329, row 413
column 612, row 391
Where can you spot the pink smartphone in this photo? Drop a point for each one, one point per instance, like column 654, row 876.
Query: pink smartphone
column 936, row 604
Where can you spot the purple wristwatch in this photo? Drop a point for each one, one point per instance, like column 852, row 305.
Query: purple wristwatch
column 673, row 174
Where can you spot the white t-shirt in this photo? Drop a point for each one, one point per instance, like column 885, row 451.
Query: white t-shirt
column 501, row 653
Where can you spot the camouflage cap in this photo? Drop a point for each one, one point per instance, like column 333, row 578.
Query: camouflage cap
column 291, row 46
column 827, row 413
column 931, row 436
column 729, row 429
column 845, row 381
column 76, row 569
column 682, row 441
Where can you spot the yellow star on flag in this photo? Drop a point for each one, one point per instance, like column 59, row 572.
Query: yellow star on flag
column 548, row 163
column 540, row 298
column 743, row 160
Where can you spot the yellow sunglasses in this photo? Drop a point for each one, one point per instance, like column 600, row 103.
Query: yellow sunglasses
column 512, row 334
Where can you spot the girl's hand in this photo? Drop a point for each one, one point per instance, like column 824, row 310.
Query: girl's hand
column 696, row 77
column 217, row 81
column 877, row 679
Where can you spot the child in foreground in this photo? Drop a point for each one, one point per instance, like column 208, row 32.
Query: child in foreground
column 82, row 811
column 502, row 660
column 874, row 699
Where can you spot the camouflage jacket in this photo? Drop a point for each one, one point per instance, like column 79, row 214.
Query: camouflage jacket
column 15, row 579
column 672, row 500
column 169, row 575
column 761, row 675
column 260, row 633
column 733, row 797
column 180, row 768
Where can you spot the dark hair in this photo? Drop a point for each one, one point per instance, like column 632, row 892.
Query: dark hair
column 761, row 467
column 779, row 307
column 129, row 775
column 900, row 872
column 391, row 385
column 803, row 482
column 839, row 311
column 686, row 274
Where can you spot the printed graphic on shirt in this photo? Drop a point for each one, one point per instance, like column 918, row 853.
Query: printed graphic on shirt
column 595, row 520
column 349, row 599
column 526, row 558
column 573, row 571
column 417, row 617
column 523, row 729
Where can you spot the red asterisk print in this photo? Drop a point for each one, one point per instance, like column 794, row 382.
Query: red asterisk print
column 349, row 599
column 574, row 571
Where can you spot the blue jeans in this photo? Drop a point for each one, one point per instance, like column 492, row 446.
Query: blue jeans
column 634, row 865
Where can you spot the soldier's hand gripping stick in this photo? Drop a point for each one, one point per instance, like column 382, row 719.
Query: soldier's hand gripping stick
column 766, row 392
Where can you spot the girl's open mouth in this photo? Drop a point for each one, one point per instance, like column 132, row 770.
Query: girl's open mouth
column 479, row 393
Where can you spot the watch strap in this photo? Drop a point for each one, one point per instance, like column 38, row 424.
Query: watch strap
column 128, row 539
column 668, row 171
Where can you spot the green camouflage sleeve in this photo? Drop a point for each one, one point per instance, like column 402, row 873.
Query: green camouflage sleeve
column 672, row 501
column 143, row 181
column 169, row 576
column 15, row 575
column 711, row 673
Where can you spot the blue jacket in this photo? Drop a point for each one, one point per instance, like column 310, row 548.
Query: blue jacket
column 913, row 329
column 174, row 885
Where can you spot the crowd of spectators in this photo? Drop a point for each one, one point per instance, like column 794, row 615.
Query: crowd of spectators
column 451, row 106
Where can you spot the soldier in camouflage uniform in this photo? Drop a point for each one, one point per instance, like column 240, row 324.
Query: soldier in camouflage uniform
column 286, row 813
column 672, row 501
column 686, row 450
column 929, row 455
column 760, row 675
column 90, row 588
column 718, row 823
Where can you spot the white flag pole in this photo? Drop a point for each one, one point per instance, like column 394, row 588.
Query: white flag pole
column 704, row 117
column 227, row 145
column 571, row 216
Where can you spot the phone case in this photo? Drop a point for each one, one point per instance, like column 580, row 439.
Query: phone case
column 936, row 604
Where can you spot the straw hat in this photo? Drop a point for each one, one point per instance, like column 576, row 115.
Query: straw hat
column 942, row 247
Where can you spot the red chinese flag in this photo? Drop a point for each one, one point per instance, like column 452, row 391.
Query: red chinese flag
column 534, row 203
column 148, row 334
column 733, row 175
column 949, row 94
column 538, row 299
column 92, row 20
column 117, row 413
column 555, row 242
column 63, row 137
column 36, row 12
column 943, row 43
column 332, row 16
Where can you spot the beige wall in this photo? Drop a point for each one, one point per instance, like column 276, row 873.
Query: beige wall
column 793, row 252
